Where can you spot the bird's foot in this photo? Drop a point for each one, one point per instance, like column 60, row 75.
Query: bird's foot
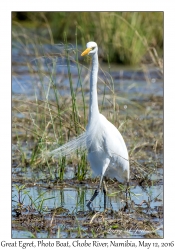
column 89, row 206
column 92, row 198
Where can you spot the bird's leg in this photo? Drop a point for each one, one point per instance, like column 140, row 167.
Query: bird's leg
column 92, row 198
column 127, row 191
column 104, row 191
column 95, row 194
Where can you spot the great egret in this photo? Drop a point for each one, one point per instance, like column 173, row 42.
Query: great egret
column 107, row 152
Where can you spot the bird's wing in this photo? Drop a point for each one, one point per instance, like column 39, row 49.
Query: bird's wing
column 113, row 142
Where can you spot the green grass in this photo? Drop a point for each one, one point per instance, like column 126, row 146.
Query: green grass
column 47, row 122
column 37, row 203
column 124, row 37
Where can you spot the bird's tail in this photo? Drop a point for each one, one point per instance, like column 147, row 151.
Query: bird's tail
column 69, row 147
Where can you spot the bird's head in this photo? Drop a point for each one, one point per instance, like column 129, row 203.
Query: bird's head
column 91, row 49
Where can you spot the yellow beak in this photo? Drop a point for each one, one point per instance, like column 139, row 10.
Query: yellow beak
column 86, row 51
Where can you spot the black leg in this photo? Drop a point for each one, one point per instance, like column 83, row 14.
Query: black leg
column 127, row 191
column 92, row 198
column 95, row 194
column 104, row 191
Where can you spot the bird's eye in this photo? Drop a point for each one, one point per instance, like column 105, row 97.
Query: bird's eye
column 93, row 48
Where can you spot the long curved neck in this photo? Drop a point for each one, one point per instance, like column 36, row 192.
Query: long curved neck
column 93, row 103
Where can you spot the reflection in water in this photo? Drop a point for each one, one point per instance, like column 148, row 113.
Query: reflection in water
column 76, row 199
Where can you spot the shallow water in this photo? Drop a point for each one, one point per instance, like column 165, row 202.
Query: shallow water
column 73, row 201
column 69, row 197
column 136, row 82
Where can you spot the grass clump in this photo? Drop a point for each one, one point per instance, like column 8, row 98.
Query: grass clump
column 125, row 37
column 46, row 119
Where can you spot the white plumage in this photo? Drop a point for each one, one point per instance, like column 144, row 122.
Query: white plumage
column 107, row 152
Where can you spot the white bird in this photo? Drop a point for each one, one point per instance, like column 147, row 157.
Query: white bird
column 107, row 152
